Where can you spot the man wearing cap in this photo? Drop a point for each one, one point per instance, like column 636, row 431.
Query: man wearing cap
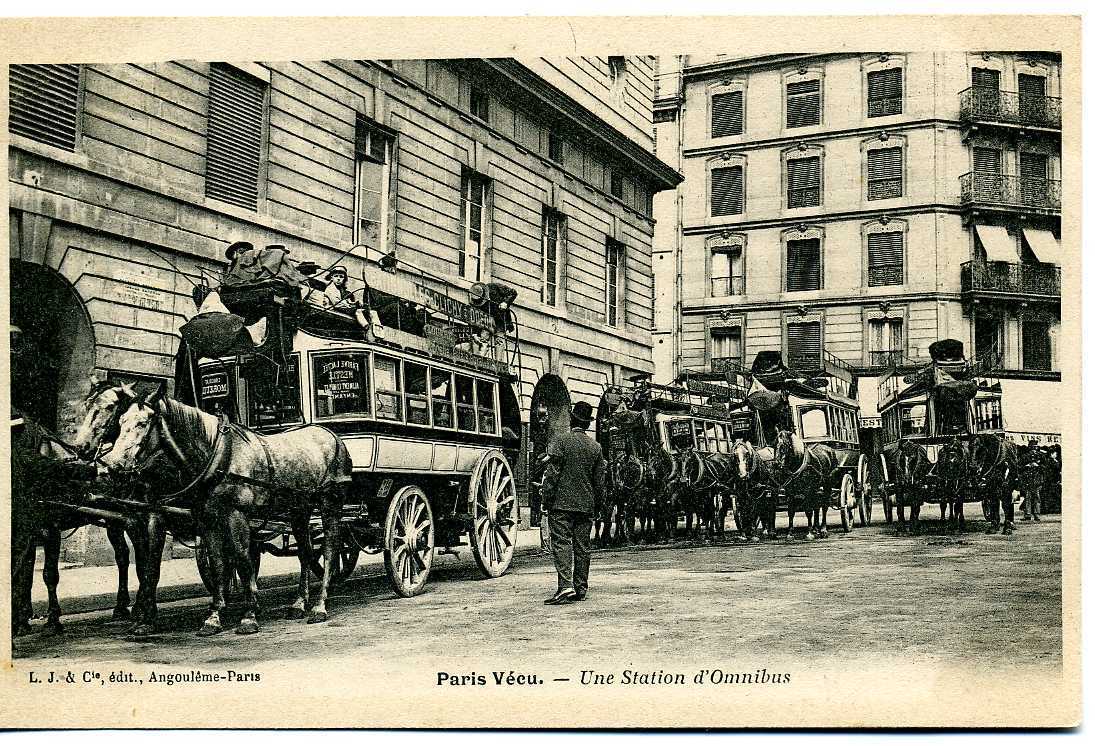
column 573, row 489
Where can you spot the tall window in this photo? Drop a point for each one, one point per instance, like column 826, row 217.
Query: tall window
column 804, row 182
column 552, row 246
column 884, row 92
column 374, row 150
column 804, row 345
column 804, row 264
column 1032, row 98
column 1036, row 346
column 983, row 77
column 887, row 342
column 616, row 184
column 885, row 258
column 614, row 263
column 986, row 89
column 987, row 334
column 884, row 172
column 804, row 103
column 727, row 273
column 480, row 104
column 726, row 344
column 473, row 202
column 987, row 160
column 234, row 138
column 726, row 114
column 1033, row 172
column 43, row 101
column 727, row 191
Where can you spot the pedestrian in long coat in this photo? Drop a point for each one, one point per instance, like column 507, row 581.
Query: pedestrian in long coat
column 573, row 490
column 1032, row 475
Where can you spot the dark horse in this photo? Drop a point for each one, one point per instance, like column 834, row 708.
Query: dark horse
column 225, row 474
column 752, row 487
column 912, row 479
column 994, row 473
column 805, row 474
column 47, row 469
column 640, row 475
column 705, row 491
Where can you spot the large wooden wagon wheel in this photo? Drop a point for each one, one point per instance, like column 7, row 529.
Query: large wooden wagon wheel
column 493, row 498
column 866, row 491
column 408, row 541
column 347, row 554
column 847, row 503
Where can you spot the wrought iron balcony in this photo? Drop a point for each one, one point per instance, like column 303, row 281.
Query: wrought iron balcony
column 892, row 359
column 983, row 188
column 723, row 286
column 1007, row 107
column 728, row 365
column 1030, row 281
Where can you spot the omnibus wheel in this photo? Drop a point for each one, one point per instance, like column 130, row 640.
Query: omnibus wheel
column 492, row 495
column 408, row 541
column 847, row 503
column 866, row 492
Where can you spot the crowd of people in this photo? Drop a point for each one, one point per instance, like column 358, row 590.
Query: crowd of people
column 1039, row 479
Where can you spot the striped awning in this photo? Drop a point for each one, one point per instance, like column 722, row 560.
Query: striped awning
column 999, row 246
column 1044, row 245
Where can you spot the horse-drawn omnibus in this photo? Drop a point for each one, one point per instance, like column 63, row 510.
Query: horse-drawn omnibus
column 948, row 398
column 416, row 383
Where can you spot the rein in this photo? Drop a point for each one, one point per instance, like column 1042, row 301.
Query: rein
column 174, row 451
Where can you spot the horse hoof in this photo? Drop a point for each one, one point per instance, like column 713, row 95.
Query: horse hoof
column 52, row 628
column 824, row 534
column 318, row 617
column 142, row 630
column 208, row 630
column 247, row 627
column 294, row 612
column 120, row 614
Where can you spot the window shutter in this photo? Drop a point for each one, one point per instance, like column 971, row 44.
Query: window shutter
column 804, row 345
column 234, row 150
column 884, row 92
column 1032, row 85
column 726, row 114
column 884, row 173
column 726, row 191
column 803, row 103
column 804, row 182
column 885, row 258
column 1032, row 166
column 985, row 78
column 986, row 160
column 804, row 265
column 44, row 103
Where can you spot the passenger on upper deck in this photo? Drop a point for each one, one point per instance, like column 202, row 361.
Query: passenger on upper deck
column 338, row 297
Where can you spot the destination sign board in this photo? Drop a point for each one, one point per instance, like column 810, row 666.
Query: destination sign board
column 214, row 385
column 452, row 307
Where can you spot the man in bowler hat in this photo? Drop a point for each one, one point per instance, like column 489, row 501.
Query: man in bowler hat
column 573, row 488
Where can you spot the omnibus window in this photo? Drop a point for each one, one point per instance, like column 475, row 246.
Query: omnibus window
column 415, row 387
column 441, row 388
column 701, row 439
column 389, row 401
column 273, row 393
column 341, row 383
column 465, row 403
column 488, row 423
column 914, row 420
column 814, row 423
column 711, row 432
column 679, row 435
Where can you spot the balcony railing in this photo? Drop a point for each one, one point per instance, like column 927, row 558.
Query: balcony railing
column 1006, row 107
column 892, row 359
column 883, row 107
column 1004, row 277
column 727, row 365
column 986, row 188
column 723, row 286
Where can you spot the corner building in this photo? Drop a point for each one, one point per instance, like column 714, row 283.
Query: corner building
column 863, row 206
column 128, row 181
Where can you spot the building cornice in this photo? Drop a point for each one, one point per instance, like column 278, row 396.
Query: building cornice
column 794, row 139
column 785, row 301
column 752, row 64
column 938, row 208
column 619, row 145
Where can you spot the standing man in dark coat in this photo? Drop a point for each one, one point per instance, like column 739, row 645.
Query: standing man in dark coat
column 574, row 485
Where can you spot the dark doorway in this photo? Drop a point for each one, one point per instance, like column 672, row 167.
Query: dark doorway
column 56, row 351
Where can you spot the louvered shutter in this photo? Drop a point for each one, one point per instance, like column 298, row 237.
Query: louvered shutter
column 885, row 258
column 804, row 265
column 1032, row 99
column 803, row 103
column 726, row 191
column 986, row 160
column 884, row 92
column 234, row 151
column 1033, row 186
column 1032, row 85
column 726, row 114
column 1032, row 166
column 985, row 78
column 884, row 173
column 43, row 103
column 804, row 345
column 804, row 182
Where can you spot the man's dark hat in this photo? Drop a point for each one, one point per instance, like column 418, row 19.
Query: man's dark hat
column 582, row 414
column 237, row 247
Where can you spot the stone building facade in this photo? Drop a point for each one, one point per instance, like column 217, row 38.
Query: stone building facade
column 129, row 180
column 864, row 205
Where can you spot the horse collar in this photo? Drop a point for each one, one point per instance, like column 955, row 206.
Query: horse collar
column 214, row 467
